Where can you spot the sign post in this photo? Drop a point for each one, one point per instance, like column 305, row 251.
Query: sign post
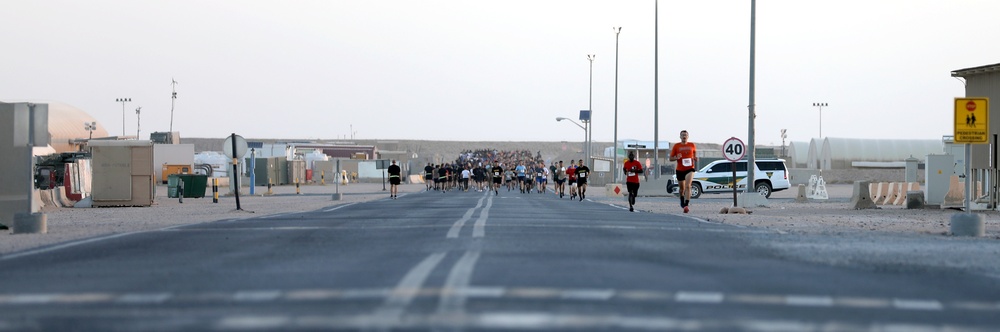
column 972, row 124
column 734, row 149
column 235, row 146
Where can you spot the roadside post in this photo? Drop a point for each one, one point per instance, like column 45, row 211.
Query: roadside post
column 971, row 127
column 734, row 149
column 235, row 146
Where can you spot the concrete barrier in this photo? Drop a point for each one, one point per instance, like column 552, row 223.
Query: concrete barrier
column 618, row 190
column 915, row 199
column 861, row 198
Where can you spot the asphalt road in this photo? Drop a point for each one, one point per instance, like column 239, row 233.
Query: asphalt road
column 461, row 261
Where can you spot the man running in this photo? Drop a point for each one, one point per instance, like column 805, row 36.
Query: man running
column 466, row 173
column 632, row 170
column 521, row 170
column 560, row 179
column 443, row 178
column 684, row 153
column 429, row 175
column 394, row 179
column 541, row 177
column 571, row 176
column 582, row 173
column 497, row 172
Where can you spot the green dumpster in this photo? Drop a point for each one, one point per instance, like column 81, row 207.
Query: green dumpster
column 194, row 185
column 173, row 180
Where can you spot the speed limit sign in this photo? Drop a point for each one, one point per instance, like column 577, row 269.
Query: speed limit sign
column 733, row 149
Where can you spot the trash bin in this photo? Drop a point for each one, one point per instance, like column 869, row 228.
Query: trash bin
column 194, row 185
column 173, row 180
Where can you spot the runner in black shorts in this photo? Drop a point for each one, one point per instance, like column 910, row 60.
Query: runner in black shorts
column 497, row 172
column 582, row 173
column 429, row 175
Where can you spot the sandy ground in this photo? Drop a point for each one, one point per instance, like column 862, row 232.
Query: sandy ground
column 832, row 216
column 783, row 215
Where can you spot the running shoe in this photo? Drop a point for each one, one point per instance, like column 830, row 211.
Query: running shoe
column 686, row 209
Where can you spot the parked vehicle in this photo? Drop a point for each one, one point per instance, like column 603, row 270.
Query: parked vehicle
column 717, row 177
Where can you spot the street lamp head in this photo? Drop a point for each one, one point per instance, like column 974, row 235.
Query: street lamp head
column 561, row 118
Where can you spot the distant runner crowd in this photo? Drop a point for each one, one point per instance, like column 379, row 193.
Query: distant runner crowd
column 490, row 169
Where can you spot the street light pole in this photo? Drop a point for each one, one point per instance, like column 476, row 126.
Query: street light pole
column 614, row 161
column 123, row 101
column 590, row 127
column 137, row 122
column 656, row 89
column 820, row 106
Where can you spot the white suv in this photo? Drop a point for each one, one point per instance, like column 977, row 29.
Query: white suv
column 717, row 177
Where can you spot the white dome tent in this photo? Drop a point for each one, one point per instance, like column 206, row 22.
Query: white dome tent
column 798, row 154
column 842, row 153
column 812, row 156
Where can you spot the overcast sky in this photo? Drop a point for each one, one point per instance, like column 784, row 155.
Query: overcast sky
column 500, row 70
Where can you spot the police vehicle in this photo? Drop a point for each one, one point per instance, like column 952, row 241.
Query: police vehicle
column 717, row 177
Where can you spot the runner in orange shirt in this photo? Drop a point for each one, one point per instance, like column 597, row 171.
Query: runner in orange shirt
column 684, row 153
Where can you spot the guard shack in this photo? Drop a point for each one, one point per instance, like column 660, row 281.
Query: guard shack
column 984, row 81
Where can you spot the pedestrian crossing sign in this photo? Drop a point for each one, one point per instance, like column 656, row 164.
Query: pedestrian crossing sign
column 972, row 120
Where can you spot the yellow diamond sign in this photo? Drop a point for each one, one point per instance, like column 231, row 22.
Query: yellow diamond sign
column 972, row 119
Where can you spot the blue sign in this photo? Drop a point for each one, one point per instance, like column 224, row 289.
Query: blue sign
column 584, row 115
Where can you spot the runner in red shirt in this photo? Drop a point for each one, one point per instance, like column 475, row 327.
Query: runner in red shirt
column 632, row 170
column 684, row 153
column 571, row 175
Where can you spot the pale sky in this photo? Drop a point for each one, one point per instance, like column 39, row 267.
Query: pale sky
column 499, row 70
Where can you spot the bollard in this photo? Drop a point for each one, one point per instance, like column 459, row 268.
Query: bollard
column 180, row 192
column 269, row 192
column 30, row 223
column 215, row 190
column 968, row 224
column 801, row 197
column 297, row 192
column 322, row 178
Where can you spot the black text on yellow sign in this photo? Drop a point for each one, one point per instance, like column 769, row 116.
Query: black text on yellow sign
column 972, row 119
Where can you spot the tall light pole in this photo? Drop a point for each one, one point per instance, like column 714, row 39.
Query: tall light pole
column 578, row 125
column 590, row 126
column 123, row 101
column 656, row 89
column 137, row 122
column 173, row 98
column 614, row 161
column 820, row 106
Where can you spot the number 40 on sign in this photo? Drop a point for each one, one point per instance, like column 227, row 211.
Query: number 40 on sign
column 733, row 149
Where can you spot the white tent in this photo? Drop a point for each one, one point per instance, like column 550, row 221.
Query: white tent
column 840, row 153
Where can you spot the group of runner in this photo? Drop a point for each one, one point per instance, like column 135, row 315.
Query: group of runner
column 483, row 170
column 491, row 170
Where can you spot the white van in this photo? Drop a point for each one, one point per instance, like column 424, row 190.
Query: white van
column 717, row 177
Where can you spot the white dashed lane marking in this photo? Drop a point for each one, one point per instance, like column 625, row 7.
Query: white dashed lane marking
column 406, row 293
